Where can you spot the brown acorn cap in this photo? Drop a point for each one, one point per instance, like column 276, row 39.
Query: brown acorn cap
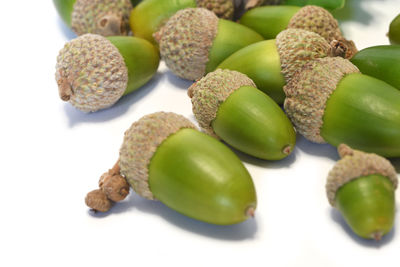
column 308, row 91
column 185, row 41
column 222, row 8
column 91, row 73
column 319, row 20
column 141, row 141
column 104, row 17
column 355, row 164
column 211, row 91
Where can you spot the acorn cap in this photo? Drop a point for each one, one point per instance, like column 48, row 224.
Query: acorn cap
column 319, row 20
column 141, row 141
column 296, row 47
column 91, row 73
column 355, row 164
column 104, row 17
column 222, row 8
column 211, row 91
column 185, row 41
column 308, row 91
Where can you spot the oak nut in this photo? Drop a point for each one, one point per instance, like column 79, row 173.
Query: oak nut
column 331, row 101
column 194, row 41
column 104, row 17
column 394, row 31
column 361, row 186
column 228, row 105
column 93, row 72
column 150, row 15
column 164, row 157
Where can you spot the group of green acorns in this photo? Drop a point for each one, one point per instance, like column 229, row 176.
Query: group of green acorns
column 293, row 55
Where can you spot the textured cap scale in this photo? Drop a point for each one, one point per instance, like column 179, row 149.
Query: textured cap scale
column 222, row 8
column 91, row 73
column 141, row 142
column 355, row 164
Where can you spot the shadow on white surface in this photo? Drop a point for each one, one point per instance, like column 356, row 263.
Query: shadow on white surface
column 396, row 163
column 354, row 11
column 237, row 232
column 67, row 32
column 386, row 239
column 314, row 149
column 76, row 116
column 176, row 81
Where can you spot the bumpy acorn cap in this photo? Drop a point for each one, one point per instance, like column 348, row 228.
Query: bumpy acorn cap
column 91, row 73
column 141, row 141
column 185, row 41
column 104, row 17
column 355, row 164
column 211, row 91
column 308, row 91
column 319, row 20
column 222, row 8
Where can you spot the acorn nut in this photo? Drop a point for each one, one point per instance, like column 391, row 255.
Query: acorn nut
column 394, row 31
column 194, row 41
column 331, row 101
column 164, row 157
column 104, row 17
column 310, row 18
column 330, row 4
column 228, row 105
column 361, row 186
column 93, row 72
column 150, row 15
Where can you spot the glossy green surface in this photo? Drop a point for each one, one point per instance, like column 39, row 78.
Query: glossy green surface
column 65, row 8
column 327, row 4
column 141, row 59
column 268, row 20
column 394, row 31
column 364, row 113
column 253, row 123
column 382, row 62
column 368, row 205
column 148, row 16
column 200, row 177
column 230, row 38
column 261, row 62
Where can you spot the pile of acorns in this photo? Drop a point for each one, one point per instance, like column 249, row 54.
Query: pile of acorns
column 295, row 56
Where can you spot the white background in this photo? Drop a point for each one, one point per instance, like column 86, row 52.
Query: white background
column 52, row 155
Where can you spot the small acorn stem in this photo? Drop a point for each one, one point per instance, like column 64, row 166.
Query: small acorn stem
column 250, row 211
column 110, row 25
column 64, row 87
column 338, row 49
column 345, row 150
column 377, row 235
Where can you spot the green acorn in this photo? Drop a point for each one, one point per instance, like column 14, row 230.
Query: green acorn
column 331, row 101
column 382, row 62
column 228, row 105
column 394, row 31
column 327, row 4
column 104, row 17
column 150, row 15
column 194, row 41
column 271, row 63
column 362, row 186
column 93, row 72
column 310, row 18
column 164, row 157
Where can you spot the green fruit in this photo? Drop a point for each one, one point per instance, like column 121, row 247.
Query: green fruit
column 163, row 157
column 104, row 17
column 228, row 105
column 93, row 72
column 330, row 101
column 361, row 186
column 194, row 41
column 382, row 62
column 394, row 31
column 150, row 15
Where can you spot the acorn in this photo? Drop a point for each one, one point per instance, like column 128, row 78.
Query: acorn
column 331, row 101
column 104, row 17
column 194, row 41
column 361, row 186
column 93, row 71
column 228, row 105
column 271, row 20
column 164, row 157
column 150, row 15
column 327, row 4
column 394, row 31
column 271, row 63
column 382, row 62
